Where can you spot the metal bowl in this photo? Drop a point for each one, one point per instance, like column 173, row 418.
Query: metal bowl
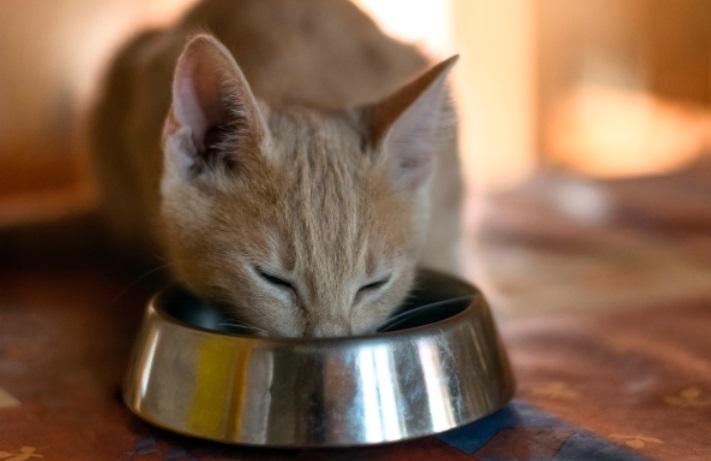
column 437, row 364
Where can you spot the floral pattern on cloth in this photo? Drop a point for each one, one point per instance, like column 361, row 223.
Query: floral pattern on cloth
column 23, row 454
column 147, row 446
column 7, row 400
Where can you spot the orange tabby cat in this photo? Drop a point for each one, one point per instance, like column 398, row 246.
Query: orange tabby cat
column 303, row 170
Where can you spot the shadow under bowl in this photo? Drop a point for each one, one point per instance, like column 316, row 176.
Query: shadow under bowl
column 437, row 364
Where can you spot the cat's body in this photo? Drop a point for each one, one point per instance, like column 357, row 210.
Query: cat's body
column 278, row 184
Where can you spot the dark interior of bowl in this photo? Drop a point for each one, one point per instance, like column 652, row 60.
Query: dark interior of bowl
column 435, row 297
column 425, row 314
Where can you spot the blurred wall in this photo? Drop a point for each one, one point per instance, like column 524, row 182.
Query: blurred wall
column 624, row 86
column 496, row 84
column 52, row 54
column 603, row 87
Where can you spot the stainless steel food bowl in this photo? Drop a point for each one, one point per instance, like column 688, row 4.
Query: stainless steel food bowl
column 436, row 365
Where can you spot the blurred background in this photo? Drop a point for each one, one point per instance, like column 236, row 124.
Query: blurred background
column 563, row 103
column 608, row 88
column 586, row 132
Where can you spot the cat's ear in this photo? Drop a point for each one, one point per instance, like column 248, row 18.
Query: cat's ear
column 406, row 126
column 214, row 116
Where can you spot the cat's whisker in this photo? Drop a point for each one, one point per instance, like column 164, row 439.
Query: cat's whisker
column 239, row 323
column 245, row 326
column 138, row 279
column 242, row 325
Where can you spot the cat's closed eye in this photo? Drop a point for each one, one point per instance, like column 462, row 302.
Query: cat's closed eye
column 372, row 287
column 274, row 280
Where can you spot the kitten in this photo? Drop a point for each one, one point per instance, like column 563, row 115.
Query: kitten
column 303, row 169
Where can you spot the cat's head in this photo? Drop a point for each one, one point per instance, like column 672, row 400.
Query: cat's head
column 302, row 222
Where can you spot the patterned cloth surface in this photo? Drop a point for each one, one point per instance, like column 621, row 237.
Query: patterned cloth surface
column 521, row 432
column 612, row 363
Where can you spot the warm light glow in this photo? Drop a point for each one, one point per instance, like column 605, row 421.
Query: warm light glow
column 425, row 23
column 496, row 90
column 165, row 12
column 110, row 24
column 614, row 132
column 494, row 80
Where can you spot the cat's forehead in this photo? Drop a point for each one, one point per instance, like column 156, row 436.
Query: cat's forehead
column 298, row 253
column 320, row 154
column 294, row 128
column 327, row 195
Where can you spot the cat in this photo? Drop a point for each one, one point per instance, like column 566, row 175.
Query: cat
column 297, row 163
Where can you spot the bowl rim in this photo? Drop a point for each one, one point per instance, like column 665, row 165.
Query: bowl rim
column 474, row 299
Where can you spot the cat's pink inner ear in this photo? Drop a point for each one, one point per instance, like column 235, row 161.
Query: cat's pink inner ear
column 407, row 124
column 198, row 89
column 210, row 95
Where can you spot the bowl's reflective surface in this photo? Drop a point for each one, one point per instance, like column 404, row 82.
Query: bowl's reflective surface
column 436, row 365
